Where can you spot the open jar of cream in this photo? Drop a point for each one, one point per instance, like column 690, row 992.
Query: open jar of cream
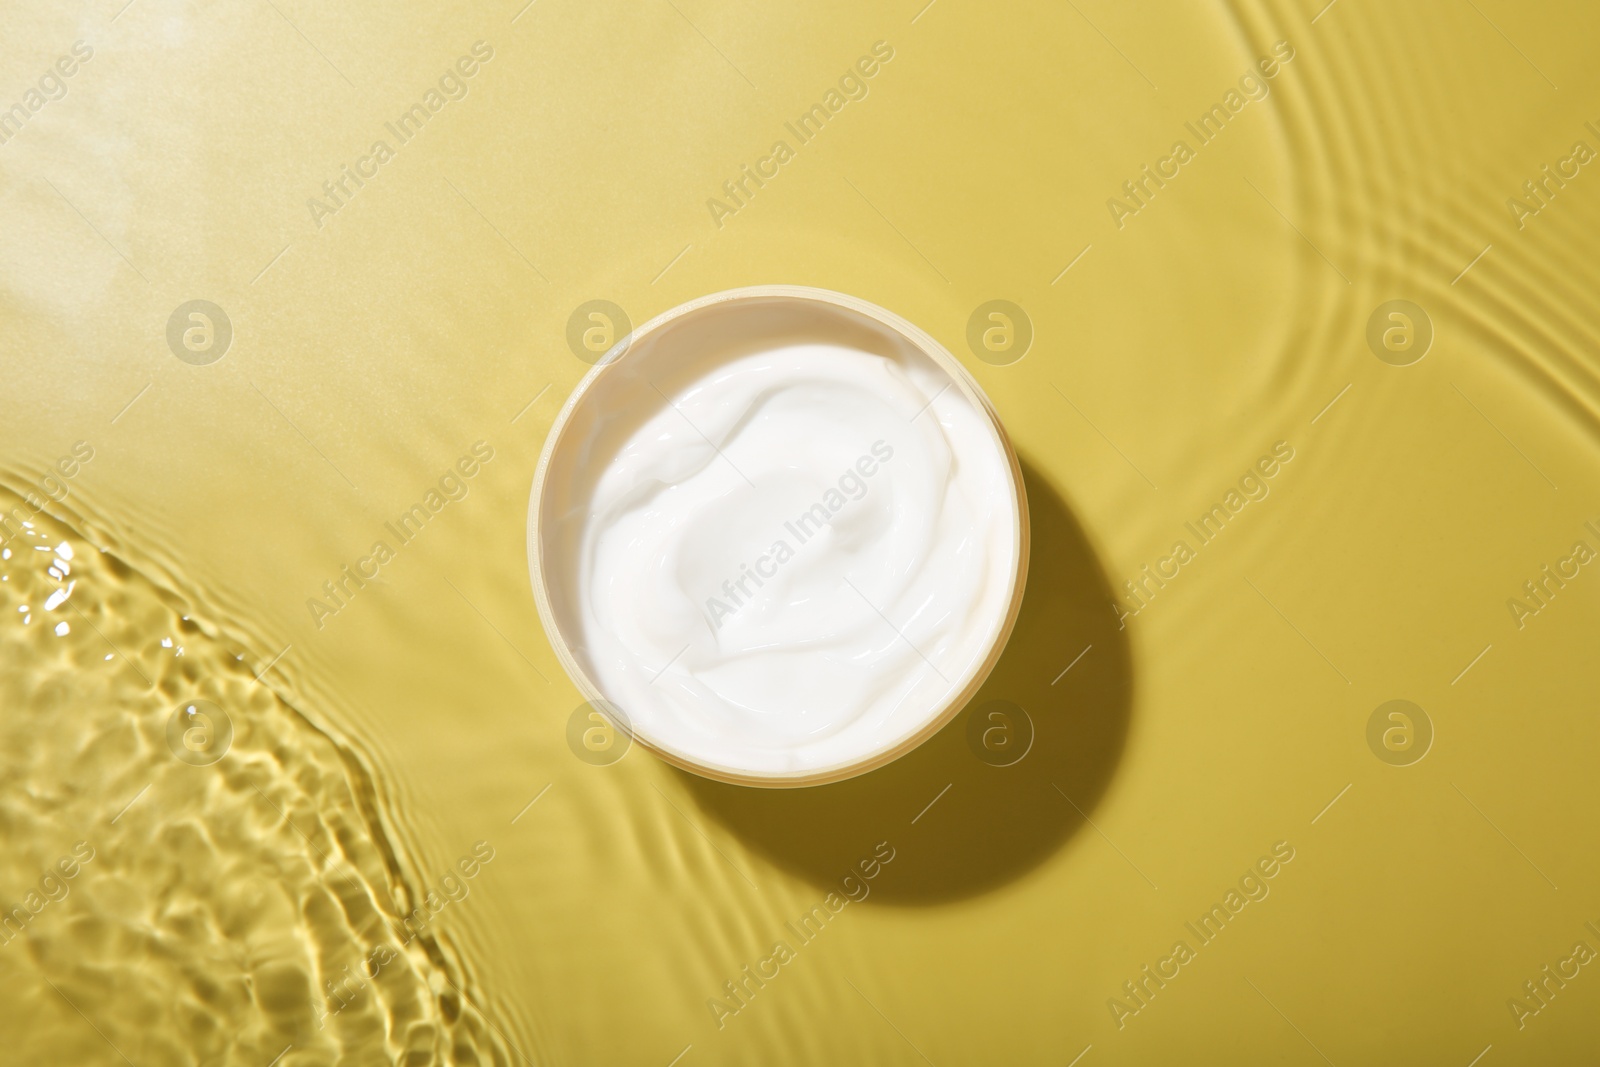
column 780, row 534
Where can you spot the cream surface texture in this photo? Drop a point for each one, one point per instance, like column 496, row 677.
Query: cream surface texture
column 788, row 556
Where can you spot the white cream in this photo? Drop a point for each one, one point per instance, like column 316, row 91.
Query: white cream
column 781, row 555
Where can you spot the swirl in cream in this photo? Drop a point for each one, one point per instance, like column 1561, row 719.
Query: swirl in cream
column 791, row 554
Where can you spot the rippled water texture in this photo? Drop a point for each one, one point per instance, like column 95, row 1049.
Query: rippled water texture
column 407, row 740
column 219, row 892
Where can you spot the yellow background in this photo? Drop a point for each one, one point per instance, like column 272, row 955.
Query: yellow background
column 430, row 312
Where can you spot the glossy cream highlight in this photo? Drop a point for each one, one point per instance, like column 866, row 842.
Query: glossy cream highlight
column 782, row 548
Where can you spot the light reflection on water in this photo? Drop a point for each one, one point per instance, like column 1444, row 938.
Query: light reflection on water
column 192, row 866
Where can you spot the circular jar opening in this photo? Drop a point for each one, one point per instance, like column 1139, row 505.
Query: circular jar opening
column 779, row 535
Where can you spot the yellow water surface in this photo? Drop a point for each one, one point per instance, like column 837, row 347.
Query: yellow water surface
column 1298, row 349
